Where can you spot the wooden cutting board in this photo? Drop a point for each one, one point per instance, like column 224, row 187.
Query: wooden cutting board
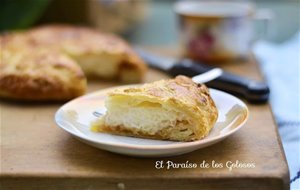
column 36, row 154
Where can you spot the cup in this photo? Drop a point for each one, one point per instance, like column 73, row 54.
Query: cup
column 217, row 31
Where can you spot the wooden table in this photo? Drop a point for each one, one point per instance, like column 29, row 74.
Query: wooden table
column 36, row 154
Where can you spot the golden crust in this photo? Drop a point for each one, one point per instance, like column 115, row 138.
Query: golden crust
column 182, row 93
column 181, row 90
column 40, row 74
column 40, row 64
column 81, row 41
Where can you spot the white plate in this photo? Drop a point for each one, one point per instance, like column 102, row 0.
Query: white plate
column 76, row 116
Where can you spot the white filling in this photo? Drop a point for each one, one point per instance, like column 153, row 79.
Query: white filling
column 146, row 116
column 103, row 65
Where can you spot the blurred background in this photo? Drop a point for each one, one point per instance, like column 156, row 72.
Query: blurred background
column 145, row 22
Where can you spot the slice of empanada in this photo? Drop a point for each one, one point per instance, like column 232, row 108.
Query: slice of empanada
column 176, row 109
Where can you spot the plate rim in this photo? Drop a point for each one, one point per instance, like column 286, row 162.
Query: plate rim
column 152, row 147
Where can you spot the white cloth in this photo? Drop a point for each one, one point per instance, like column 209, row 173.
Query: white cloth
column 280, row 64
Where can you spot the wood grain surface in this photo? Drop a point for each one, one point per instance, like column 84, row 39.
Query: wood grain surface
column 36, row 154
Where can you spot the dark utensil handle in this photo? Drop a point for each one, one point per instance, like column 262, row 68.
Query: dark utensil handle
column 253, row 91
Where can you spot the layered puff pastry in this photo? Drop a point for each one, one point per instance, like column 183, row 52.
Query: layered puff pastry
column 52, row 62
column 175, row 109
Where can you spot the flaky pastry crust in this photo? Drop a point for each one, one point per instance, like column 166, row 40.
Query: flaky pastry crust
column 44, row 63
column 182, row 94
